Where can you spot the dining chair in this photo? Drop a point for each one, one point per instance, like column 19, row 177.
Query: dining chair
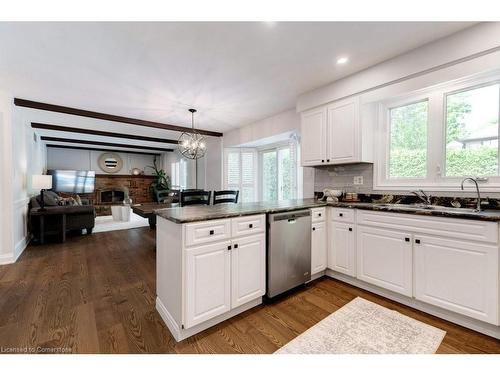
column 192, row 196
column 226, row 196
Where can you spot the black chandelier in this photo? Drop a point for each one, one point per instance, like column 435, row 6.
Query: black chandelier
column 192, row 144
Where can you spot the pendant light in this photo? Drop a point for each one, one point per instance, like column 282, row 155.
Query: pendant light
column 192, row 144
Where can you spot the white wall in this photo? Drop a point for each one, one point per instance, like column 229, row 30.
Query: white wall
column 28, row 158
column 21, row 157
column 469, row 43
column 63, row 158
column 269, row 127
column 6, row 195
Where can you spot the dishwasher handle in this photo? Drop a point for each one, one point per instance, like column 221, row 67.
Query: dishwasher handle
column 290, row 216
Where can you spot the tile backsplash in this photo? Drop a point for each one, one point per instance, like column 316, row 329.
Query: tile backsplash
column 342, row 177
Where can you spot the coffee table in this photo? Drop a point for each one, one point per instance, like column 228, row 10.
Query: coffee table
column 146, row 210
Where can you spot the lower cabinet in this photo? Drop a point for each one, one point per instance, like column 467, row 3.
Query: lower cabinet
column 384, row 258
column 248, row 269
column 459, row 276
column 318, row 247
column 342, row 249
column 223, row 276
column 208, row 282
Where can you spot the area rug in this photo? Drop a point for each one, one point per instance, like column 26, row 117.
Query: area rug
column 363, row 327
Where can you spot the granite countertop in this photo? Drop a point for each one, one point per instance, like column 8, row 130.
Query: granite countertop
column 220, row 211
column 201, row 213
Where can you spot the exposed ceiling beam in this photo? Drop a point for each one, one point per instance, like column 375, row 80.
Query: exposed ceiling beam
column 102, row 149
column 37, row 125
column 108, row 144
column 107, row 117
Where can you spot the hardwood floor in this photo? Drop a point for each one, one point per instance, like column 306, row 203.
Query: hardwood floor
column 96, row 294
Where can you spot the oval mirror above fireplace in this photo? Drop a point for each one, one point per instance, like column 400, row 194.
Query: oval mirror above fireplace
column 110, row 162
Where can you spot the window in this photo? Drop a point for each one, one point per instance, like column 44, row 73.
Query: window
column 240, row 173
column 279, row 173
column 408, row 141
column 179, row 174
column 472, row 132
column 437, row 137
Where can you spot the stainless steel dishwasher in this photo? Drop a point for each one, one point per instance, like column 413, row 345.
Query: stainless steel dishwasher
column 288, row 251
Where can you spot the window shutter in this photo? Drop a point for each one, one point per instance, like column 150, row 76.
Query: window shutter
column 240, row 172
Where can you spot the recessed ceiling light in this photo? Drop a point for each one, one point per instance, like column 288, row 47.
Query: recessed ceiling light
column 342, row 60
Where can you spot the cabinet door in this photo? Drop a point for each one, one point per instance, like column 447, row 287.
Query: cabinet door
column 343, row 132
column 313, row 135
column 207, row 282
column 384, row 258
column 248, row 269
column 459, row 276
column 318, row 247
column 342, row 249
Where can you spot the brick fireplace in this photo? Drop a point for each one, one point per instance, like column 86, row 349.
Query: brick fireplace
column 111, row 190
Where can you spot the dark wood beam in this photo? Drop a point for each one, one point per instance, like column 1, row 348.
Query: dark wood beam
column 108, row 144
column 107, row 117
column 37, row 125
column 102, row 149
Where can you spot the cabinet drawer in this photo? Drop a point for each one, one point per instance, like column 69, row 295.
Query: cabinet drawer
column 245, row 225
column 318, row 214
column 207, row 231
column 342, row 214
column 472, row 230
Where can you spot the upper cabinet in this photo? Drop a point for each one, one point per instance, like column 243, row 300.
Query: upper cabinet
column 313, row 136
column 333, row 134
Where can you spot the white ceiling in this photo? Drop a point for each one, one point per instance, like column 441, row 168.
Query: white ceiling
column 233, row 73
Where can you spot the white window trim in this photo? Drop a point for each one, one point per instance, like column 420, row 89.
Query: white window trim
column 436, row 135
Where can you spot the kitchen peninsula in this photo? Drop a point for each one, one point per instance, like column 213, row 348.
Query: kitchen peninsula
column 211, row 260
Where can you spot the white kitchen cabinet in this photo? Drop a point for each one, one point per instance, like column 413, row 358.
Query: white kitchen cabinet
column 458, row 275
column 333, row 133
column 248, row 269
column 318, row 247
column 343, row 132
column 209, row 271
column 313, row 137
column 342, row 248
column 208, row 282
column 384, row 258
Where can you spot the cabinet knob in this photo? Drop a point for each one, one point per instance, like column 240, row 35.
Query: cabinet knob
column 327, row 160
column 322, row 160
column 350, row 229
column 319, row 214
column 235, row 245
column 211, row 232
column 314, row 228
column 229, row 247
column 417, row 241
column 341, row 214
column 250, row 226
column 407, row 239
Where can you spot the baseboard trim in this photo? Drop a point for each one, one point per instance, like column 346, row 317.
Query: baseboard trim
column 180, row 334
column 475, row 325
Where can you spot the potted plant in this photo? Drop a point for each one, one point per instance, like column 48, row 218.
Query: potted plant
column 161, row 181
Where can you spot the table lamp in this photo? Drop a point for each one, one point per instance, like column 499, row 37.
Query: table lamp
column 41, row 182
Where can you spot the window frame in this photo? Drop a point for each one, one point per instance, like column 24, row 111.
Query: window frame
column 436, row 138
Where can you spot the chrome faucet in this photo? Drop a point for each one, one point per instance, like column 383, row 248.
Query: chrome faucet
column 422, row 196
column 478, row 205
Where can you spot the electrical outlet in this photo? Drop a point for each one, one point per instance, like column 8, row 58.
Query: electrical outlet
column 358, row 180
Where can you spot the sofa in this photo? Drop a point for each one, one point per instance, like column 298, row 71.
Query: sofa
column 78, row 216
